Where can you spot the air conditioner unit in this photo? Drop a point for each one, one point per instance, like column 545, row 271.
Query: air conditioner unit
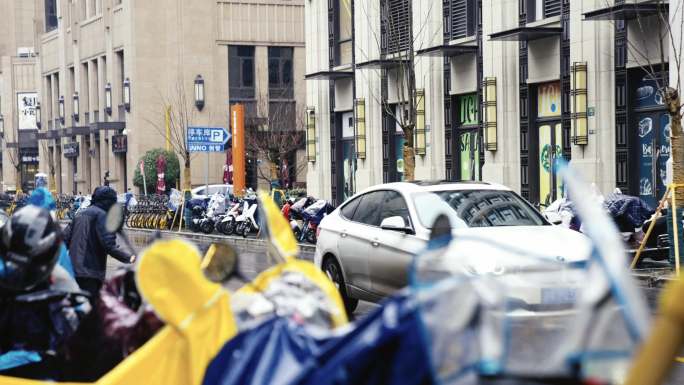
column 25, row 52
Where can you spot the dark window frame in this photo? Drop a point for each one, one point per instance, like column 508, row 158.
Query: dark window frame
column 550, row 8
column 280, row 67
column 338, row 40
column 240, row 57
column 462, row 19
column 51, row 19
column 395, row 26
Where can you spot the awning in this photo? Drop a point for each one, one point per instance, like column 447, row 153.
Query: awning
column 107, row 126
column 329, row 75
column 28, row 138
column 526, row 33
column 448, row 50
column 48, row 134
column 77, row 130
column 380, row 63
column 626, row 11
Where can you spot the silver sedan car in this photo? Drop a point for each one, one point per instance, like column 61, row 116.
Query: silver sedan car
column 368, row 243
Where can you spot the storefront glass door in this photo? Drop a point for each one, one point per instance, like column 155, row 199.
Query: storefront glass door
column 550, row 151
column 550, row 136
column 470, row 155
column 653, row 131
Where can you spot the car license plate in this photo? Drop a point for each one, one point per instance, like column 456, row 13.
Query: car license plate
column 558, row 296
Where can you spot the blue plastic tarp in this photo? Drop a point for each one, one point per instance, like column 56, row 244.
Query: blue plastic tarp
column 386, row 347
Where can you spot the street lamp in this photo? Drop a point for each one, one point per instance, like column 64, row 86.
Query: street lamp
column 199, row 92
column 38, row 115
column 61, row 109
column 108, row 99
column 490, row 126
column 76, row 107
column 127, row 94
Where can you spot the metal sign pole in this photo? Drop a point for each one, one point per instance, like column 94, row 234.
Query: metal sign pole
column 206, row 176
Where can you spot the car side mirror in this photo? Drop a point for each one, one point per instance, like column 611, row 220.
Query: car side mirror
column 553, row 217
column 395, row 223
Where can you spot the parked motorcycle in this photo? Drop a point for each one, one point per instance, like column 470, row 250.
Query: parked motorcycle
column 313, row 215
column 295, row 214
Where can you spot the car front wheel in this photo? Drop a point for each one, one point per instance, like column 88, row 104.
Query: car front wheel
column 332, row 269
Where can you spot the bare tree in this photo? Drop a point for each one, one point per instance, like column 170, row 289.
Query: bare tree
column 14, row 157
column 276, row 139
column 181, row 114
column 398, row 44
column 51, row 165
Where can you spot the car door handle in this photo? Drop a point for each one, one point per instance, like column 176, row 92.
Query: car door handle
column 375, row 243
column 343, row 234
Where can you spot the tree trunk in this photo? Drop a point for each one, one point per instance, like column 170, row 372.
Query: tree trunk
column 53, row 182
column 18, row 178
column 409, row 163
column 409, row 154
column 676, row 143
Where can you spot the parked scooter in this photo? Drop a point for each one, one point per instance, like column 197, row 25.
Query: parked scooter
column 246, row 222
column 295, row 215
column 216, row 207
column 227, row 223
column 313, row 215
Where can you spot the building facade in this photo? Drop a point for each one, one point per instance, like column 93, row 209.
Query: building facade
column 509, row 87
column 106, row 71
column 19, row 85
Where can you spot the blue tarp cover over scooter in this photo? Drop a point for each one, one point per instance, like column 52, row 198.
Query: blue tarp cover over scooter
column 386, row 347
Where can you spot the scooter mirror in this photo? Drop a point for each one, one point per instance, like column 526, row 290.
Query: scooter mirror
column 115, row 218
column 220, row 263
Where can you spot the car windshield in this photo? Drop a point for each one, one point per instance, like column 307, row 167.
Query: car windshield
column 476, row 208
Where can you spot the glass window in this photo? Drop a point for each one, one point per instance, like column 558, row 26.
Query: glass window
column 394, row 205
column 476, row 208
column 201, row 191
column 368, row 211
column 280, row 73
column 50, row 15
column 348, row 209
column 241, row 72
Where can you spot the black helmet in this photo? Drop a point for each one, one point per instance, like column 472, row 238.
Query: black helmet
column 29, row 248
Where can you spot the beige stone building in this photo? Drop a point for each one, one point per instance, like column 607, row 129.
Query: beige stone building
column 509, row 88
column 87, row 52
column 19, row 79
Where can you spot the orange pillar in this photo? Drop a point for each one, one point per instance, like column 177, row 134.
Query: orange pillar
column 237, row 118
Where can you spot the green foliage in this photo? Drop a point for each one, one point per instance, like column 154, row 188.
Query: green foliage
column 171, row 174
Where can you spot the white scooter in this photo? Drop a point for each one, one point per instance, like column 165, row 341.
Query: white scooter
column 228, row 222
column 246, row 222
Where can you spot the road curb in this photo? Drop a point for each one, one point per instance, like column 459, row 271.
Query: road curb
column 238, row 241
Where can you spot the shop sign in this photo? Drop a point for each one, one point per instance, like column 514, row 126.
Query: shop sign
column 70, row 150
column 119, row 144
column 29, row 159
column 549, row 100
column 26, row 110
column 467, row 111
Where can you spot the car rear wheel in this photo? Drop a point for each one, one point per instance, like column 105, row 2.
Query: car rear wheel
column 332, row 269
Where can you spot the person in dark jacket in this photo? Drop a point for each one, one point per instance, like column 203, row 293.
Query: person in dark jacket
column 89, row 242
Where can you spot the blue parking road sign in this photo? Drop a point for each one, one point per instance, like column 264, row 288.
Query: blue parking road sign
column 207, row 139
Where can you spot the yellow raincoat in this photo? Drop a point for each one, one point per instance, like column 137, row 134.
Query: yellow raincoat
column 197, row 315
